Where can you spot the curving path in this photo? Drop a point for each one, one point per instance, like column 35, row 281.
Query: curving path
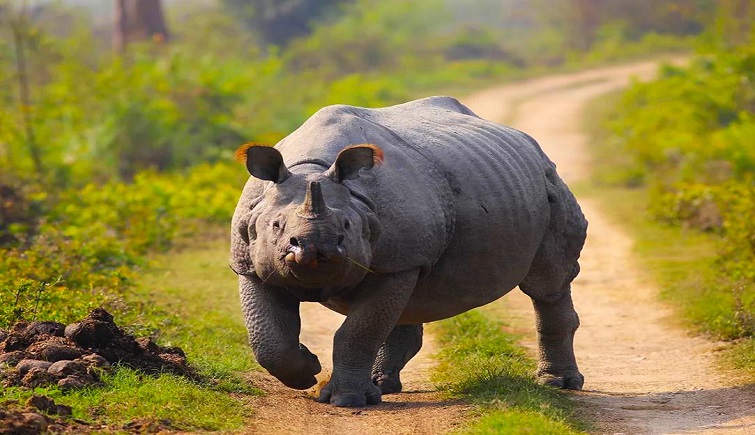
column 642, row 374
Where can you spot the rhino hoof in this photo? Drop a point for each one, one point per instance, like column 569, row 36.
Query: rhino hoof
column 350, row 400
column 574, row 383
column 299, row 383
column 564, row 382
column 388, row 384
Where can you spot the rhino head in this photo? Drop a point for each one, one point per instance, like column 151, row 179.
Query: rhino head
column 309, row 229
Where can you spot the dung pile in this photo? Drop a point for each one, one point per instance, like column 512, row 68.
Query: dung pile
column 40, row 415
column 41, row 353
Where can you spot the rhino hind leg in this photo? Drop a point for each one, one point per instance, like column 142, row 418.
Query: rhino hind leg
column 556, row 324
column 401, row 345
column 548, row 284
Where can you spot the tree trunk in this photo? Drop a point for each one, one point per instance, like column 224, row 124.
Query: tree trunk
column 20, row 32
column 138, row 20
column 586, row 23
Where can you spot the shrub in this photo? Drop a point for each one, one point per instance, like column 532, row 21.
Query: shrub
column 92, row 240
column 690, row 135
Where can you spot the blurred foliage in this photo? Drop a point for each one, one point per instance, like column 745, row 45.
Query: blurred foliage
column 171, row 106
column 690, row 137
column 132, row 146
column 278, row 21
column 122, row 116
column 552, row 32
column 88, row 243
column 373, row 37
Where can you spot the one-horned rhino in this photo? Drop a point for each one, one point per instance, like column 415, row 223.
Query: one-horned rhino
column 461, row 211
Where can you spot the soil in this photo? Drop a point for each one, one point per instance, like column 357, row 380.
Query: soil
column 42, row 353
column 419, row 409
column 643, row 374
column 38, row 353
column 41, row 415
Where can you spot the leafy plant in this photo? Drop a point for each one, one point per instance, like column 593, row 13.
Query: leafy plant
column 689, row 135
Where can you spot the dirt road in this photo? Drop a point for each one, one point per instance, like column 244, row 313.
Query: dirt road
column 417, row 410
column 642, row 375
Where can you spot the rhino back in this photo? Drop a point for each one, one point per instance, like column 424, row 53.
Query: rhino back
column 452, row 184
column 461, row 198
column 497, row 176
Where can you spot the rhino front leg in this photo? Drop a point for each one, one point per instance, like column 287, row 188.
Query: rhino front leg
column 377, row 305
column 402, row 344
column 272, row 319
column 557, row 321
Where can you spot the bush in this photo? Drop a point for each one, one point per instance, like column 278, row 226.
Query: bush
column 690, row 138
column 91, row 242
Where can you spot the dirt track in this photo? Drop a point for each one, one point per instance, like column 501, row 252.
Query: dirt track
column 642, row 375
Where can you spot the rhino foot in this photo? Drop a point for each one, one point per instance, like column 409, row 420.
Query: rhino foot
column 352, row 399
column 389, row 383
column 295, row 369
column 569, row 382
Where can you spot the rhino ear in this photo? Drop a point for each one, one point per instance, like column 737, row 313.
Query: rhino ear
column 351, row 159
column 263, row 162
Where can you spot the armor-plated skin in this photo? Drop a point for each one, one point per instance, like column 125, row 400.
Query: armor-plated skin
column 462, row 211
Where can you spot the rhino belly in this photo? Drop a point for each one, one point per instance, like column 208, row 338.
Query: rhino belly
column 490, row 254
column 501, row 215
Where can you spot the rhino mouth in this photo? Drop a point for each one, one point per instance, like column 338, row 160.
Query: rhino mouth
column 324, row 273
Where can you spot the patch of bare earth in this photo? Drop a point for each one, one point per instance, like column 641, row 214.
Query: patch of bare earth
column 419, row 409
column 643, row 375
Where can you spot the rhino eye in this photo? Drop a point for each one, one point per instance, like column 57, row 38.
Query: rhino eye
column 347, row 224
column 276, row 224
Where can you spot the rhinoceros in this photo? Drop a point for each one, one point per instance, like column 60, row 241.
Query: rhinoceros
column 396, row 217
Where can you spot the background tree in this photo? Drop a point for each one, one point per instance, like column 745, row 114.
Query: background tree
column 279, row 21
column 138, row 20
column 21, row 30
column 585, row 23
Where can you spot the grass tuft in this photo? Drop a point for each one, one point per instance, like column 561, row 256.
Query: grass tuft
column 485, row 366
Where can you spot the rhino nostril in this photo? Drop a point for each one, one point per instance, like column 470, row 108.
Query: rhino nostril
column 294, row 241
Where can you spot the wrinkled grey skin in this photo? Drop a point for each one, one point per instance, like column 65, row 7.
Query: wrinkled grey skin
column 462, row 211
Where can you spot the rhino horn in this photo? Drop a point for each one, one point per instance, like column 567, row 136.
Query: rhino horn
column 314, row 205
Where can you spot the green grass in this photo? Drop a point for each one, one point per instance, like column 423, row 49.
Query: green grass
column 481, row 364
column 196, row 307
column 129, row 395
column 682, row 261
column 188, row 299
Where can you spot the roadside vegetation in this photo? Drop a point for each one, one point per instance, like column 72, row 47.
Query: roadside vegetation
column 109, row 159
column 183, row 300
column 485, row 366
column 676, row 162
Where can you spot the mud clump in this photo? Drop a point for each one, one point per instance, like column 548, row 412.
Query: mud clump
column 73, row 356
column 39, row 415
